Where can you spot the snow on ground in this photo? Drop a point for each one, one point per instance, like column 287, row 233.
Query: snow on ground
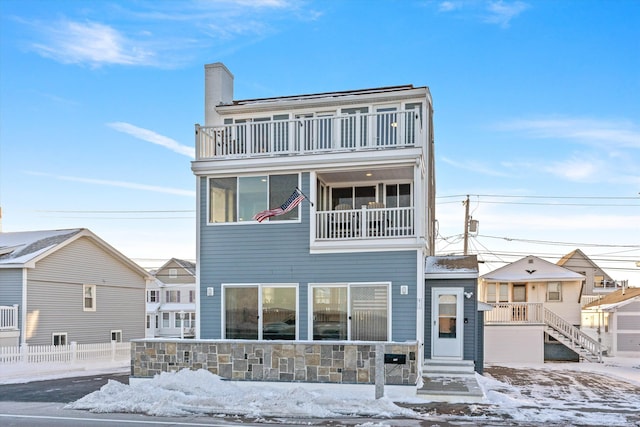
column 551, row 394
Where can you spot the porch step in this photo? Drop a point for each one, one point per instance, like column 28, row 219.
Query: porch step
column 450, row 381
column 448, row 368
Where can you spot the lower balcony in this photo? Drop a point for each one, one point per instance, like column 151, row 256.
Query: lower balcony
column 515, row 313
column 367, row 222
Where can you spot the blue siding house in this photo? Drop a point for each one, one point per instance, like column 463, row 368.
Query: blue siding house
column 348, row 262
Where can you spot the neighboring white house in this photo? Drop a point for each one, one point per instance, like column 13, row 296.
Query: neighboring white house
column 614, row 321
column 63, row 286
column 171, row 300
column 536, row 313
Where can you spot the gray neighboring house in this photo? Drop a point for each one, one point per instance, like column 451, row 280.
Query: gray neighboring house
column 68, row 286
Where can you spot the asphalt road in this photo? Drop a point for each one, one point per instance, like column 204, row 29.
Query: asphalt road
column 64, row 390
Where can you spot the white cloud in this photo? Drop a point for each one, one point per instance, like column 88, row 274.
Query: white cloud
column 611, row 133
column 448, row 6
column 91, row 43
column 474, row 166
column 153, row 137
column 121, row 184
column 502, row 12
column 492, row 12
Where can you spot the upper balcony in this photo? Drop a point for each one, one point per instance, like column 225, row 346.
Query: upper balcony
column 310, row 135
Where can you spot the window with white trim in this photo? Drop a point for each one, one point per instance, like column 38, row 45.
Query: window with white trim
column 59, row 338
column 165, row 320
column 497, row 292
column 260, row 311
column 89, row 297
column 238, row 199
column 358, row 311
column 116, row 335
column 192, row 296
column 554, row 291
column 172, row 296
column 153, row 296
column 173, row 273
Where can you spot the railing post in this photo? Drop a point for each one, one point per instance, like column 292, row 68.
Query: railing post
column 24, row 352
column 73, row 348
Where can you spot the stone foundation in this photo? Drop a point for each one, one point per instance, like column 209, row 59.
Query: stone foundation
column 314, row 362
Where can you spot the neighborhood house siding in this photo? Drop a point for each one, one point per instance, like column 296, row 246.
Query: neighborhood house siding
column 55, row 296
column 628, row 322
column 84, row 262
column 628, row 342
column 182, row 275
column 631, row 307
column 11, row 286
column 58, row 308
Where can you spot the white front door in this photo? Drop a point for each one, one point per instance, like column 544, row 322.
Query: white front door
column 447, row 322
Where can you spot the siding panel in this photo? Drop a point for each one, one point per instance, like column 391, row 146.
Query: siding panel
column 55, row 299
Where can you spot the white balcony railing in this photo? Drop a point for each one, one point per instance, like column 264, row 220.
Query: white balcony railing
column 515, row 313
column 8, row 317
column 349, row 132
column 365, row 223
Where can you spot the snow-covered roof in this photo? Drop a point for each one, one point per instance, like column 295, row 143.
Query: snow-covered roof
column 451, row 266
column 531, row 269
column 21, row 247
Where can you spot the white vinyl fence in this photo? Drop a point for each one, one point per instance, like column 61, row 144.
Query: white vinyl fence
column 103, row 352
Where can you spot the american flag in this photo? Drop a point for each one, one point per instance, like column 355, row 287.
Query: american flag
column 293, row 201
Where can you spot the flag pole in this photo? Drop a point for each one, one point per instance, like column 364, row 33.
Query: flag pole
column 305, row 196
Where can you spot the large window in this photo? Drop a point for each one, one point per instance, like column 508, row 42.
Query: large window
column 266, row 312
column 89, row 297
column 358, row 312
column 352, row 197
column 238, row 199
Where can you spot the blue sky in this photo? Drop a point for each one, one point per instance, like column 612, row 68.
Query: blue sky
column 537, row 111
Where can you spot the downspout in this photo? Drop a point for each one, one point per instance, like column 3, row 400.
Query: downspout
column 23, row 314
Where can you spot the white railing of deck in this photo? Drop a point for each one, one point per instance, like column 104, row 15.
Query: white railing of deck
column 365, row 223
column 8, row 317
column 575, row 335
column 515, row 312
column 309, row 135
column 588, row 299
column 111, row 351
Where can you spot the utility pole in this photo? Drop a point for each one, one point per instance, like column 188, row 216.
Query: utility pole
column 466, row 224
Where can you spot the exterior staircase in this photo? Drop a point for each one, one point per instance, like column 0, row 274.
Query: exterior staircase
column 450, row 381
column 587, row 348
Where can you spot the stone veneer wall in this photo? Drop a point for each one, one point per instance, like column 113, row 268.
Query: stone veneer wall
column 323, row 362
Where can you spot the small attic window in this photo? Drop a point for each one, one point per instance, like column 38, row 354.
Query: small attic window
column 173, row 273
column 530, row 260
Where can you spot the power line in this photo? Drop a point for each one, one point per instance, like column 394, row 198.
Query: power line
column 524, row 196
column 549, row 242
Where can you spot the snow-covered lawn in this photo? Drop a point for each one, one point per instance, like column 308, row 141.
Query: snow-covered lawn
column 550, row 394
